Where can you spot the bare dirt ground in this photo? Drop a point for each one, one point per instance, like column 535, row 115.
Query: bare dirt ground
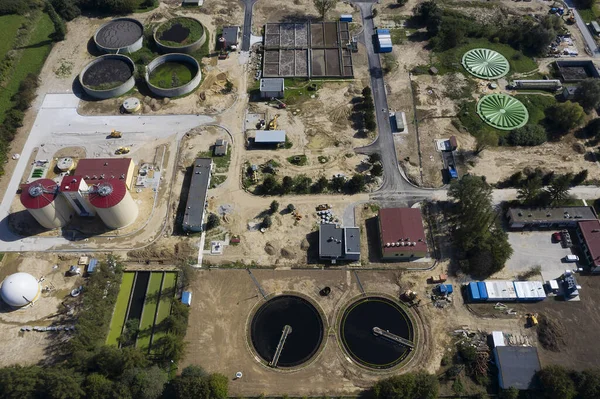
column 499, row 163
column 217, row 337
column 31, row 347
column 297, row 10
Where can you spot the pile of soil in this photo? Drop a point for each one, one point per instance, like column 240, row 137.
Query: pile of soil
column 287, row 253
column 270, row 249
column 551, row 334
column 107, row 72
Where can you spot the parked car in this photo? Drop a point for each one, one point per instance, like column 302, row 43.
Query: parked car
column 571, row 258
column 556, row 237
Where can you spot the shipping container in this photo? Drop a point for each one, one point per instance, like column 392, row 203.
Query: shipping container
column 530, row 290
column 482, row 290
column 473, row 291
column 346, row 18
column 500, row 290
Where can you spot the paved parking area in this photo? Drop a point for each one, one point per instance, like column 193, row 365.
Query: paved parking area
column 536, row 248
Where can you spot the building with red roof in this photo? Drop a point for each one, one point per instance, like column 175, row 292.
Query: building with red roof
column 401, row 234
column 589, row 235
column 97, row 170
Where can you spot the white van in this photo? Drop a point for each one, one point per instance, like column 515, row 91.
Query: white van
column 571, row 258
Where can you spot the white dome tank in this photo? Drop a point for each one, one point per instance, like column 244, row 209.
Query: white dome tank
column 41, row 198
column 113, row 203
column 20, row 289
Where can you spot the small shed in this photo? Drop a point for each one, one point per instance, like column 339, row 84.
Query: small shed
column 230, row 35
column 568, row 92
column 220, row 149
column 186, row 298
column 272, row 87
column 92, row 265
column 433, row 71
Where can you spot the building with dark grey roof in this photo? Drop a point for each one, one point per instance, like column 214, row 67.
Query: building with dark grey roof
column 220, row 148
column 272, row 87
column 517, row 366
column 230, row 34
column 193, row 218
column 546, row 218
column 339, row 243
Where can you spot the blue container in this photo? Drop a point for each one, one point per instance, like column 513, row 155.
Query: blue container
column 186, row 298
column 92, row 266
column 453, row 172
column 383, row 31
column 474, row 292
column 482, row 290
column 449, row 288
column 345, row 18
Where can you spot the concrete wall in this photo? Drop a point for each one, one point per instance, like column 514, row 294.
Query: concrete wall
column 176, row 91
column 188, row 49
column 132, row 48
column 110, row 93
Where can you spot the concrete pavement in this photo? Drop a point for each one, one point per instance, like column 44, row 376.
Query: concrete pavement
column 58, row 116
column 247, row 28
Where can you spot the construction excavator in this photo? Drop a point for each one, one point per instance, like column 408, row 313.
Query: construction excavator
column 273, row 123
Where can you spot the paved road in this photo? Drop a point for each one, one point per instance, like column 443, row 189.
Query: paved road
column 247, row 29
column 587, row 36
column 393, row 181
column 58, row 116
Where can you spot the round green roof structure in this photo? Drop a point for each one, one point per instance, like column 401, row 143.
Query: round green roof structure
column 485, row 63
column 502, row 111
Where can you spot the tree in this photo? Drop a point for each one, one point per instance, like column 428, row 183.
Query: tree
column 169, row 347
column 482, row 243
column 565, row 116
column 579, row 178
column 592, row 129
column 212, row 221
column 324, row 6
column 97, row 386
column 556, row 383
column 18, row 382
column 588, row 94
column 303, row 184
column 374, row 158
column 291, row 208
column 60, row 29
column 588, row 384
column 449, row 36
column 528, row 135
column 337, row 184
column 58, row 383
column 228, row 87
column 558, row 191
column 287, row 184
column 430, row 14
column 377, row 170
column 194, row 371
column 269, row 185
column 356, row 184
column 274, row 207
column 530, row 192
column 366, row 92
column 370, row 123
column 267, row 222
column 66, row 8
column 407, row 386
column 401, row 2
column 130, row 332
column 145, row 383
column 536, row 39
column 484, row 141
column 320, row 185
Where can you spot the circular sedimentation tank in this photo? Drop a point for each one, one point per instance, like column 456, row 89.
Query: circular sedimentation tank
column 173, row 75
column 359, row 340
column 485, row 63
column 180, row 35
column 121, row 35
column 108, row 76
column 502, row 111
column 305, row 324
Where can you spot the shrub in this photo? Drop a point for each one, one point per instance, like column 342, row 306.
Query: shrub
column 528, row 135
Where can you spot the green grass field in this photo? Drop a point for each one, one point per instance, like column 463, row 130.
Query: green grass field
column 164, row 306
column 450, row 60
column 31, row 61
column 536, row 105
column 10, row 25
column 172, row 74
column 149, row 312
column 118, row 318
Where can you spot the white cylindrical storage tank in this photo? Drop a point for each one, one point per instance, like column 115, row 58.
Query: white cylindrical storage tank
column 113, row 203
column 20, row 289
column 41, row 198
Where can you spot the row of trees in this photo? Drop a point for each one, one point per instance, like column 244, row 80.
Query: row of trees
column 367, row 108
column 303, row 184
column 448, row 29
column 482, row 244
column 69, row 9
column 557, row 382
column 407, row 386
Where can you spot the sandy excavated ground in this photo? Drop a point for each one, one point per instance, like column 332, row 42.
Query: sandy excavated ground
column 217, row 339
column 32, row 347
